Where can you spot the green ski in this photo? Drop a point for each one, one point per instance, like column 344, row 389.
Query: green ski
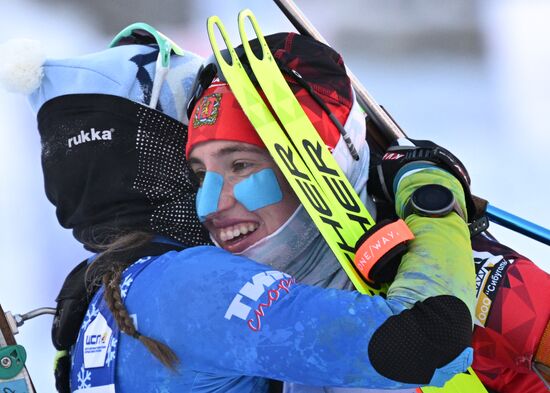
column 292, row 116
column 307, row 141
column 306, row 180
column 304, row 136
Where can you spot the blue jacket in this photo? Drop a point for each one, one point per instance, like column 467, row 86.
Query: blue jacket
column 233, row 322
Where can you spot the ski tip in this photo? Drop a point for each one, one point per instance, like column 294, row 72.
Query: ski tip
column 243, row 16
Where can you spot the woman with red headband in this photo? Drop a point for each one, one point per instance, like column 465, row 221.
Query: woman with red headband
column 250, row 213
column 249, row 208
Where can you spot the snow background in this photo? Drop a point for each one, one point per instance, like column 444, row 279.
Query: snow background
column 490, row 109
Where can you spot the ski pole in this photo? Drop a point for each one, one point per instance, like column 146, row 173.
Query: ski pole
column 389, row 128
column 17, row 320
column 518, row 224
column 391, row 131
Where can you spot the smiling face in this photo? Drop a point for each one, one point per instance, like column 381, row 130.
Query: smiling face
column 232, row 225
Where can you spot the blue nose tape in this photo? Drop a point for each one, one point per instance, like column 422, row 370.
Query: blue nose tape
column 209, row 195
column 259, row 190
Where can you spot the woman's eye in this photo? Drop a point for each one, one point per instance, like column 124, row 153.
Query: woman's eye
column 240, row 166
column 199, row 176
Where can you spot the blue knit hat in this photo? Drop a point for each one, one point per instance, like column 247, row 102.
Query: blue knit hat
column 113, row 134
column 127, row 71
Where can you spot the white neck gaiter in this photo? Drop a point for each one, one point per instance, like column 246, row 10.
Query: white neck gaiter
column 297, row 247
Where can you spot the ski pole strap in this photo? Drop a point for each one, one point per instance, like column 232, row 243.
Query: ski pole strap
column 478, row 225
column 380, row 249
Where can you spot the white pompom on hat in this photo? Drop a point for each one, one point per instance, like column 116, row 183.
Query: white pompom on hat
column 105, row 125
column 21, row 66
column 126, row 71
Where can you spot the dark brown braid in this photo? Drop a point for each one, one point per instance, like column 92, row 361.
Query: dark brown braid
column 111, row 272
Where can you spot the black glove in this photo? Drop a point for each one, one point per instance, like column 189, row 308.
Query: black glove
column 385, row 170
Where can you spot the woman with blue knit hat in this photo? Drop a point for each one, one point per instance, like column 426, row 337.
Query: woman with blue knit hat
column 166, row 313
column 111, row 157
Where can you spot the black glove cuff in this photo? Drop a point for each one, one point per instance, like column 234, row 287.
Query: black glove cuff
column 442, row 158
